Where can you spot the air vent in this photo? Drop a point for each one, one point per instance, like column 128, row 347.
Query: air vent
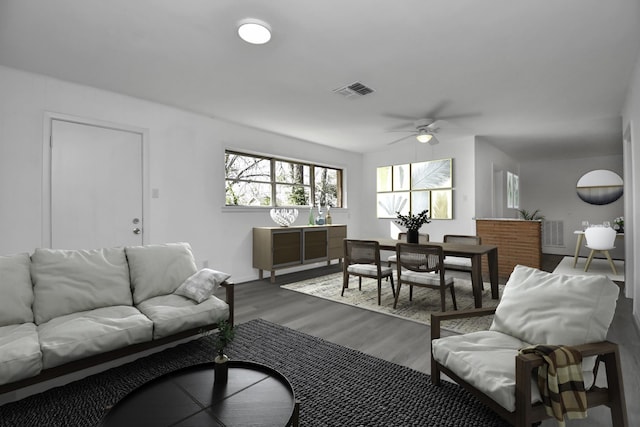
column 553, row 233
column 354, row 89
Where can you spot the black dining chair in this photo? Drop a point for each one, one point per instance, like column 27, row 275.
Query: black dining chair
column 422, row 265
column 362, row 259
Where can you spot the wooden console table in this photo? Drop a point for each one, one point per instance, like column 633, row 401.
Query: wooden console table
column 275, row 248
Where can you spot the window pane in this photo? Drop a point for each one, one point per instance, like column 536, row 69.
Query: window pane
column 292, row 173
column 242, row 193
column 326, row 187
column 248, row 168
column 292, row 195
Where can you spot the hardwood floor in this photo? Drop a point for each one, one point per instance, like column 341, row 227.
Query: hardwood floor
column 405, row 342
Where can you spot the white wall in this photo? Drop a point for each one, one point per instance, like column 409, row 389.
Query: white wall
column 492, row 164
column 550, row 186
column 186, row 166
column 461, row 150
column 631, row 122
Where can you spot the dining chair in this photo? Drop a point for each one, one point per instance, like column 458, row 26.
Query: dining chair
column 422, row 265
column 402, row 236
column 456, row 263
column 600, row 239
column 362, row 259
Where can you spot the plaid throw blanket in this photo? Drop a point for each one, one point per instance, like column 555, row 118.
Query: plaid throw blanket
column 560, row 381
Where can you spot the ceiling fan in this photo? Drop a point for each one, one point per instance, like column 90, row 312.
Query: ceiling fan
column 424, row 131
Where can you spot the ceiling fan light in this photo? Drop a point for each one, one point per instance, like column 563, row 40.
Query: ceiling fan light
column 254, row 31
column 424, row 137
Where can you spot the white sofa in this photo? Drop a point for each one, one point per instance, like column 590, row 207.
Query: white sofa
column 64, row 310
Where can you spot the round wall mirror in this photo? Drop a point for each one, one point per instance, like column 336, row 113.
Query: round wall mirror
column 600, row 187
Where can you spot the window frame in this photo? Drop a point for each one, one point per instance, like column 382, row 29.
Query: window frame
column 274, row 183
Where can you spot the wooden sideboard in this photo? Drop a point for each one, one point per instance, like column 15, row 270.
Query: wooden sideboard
column 275, row 248
column 518, row 242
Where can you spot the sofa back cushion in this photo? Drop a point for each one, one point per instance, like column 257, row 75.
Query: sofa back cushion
column 16, row 290
column 68, row 281
column 159, row 269
column 545, row 308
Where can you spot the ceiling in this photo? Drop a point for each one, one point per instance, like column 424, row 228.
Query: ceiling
column 535, row 78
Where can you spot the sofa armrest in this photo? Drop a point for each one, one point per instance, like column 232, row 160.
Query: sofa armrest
column 612, row 395
column 229, row 297
column 436, row 318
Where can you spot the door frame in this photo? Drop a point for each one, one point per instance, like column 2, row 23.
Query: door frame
column 49, row 117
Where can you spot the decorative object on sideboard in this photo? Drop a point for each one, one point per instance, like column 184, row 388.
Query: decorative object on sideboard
column 618, row 224
column 328, row 220
column 413, row 223
column 284, row 217
column 312, row 220
column 320, row 217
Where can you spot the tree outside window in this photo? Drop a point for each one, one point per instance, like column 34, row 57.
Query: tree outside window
column 262, row 181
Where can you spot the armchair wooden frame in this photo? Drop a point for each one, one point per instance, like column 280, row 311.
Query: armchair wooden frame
column 526, row 413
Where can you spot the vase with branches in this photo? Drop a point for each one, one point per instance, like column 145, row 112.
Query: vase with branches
column 413, row 223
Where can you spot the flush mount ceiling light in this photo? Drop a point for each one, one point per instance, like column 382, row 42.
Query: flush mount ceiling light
column 424, row 136
column 254, row 31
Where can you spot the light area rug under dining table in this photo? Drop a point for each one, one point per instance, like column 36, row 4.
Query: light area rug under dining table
column 425, row 300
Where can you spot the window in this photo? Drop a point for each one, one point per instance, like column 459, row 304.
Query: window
column 252, row 180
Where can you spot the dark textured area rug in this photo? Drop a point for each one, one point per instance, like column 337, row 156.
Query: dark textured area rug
column 336, row 386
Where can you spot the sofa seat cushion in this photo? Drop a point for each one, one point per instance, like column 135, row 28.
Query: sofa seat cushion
column 78, row 335
column 16, row 290
column 486, row 360
column 159, row 269
column 174, row 313
column 20, row 355
column 69, row 281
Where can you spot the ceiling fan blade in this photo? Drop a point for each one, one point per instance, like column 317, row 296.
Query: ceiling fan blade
column 402, row 139
column 459, row 116
column 436, row 125
column 435, row 111
column 399, row 116
column 433, row 140
column 409, row 126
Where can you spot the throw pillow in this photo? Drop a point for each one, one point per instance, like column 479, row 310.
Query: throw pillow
column 200, row 286
column 547, row 308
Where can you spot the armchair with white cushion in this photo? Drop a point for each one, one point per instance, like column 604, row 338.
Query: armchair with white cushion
column 536, row 308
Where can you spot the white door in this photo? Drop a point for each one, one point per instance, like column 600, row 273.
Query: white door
column 96, row 186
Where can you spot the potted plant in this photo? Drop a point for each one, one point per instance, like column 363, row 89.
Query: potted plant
column 225, row 335
column 413, row 223
column 531, row 216
column 618, row 224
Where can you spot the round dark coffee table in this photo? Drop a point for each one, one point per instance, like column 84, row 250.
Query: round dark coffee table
column 254, row 395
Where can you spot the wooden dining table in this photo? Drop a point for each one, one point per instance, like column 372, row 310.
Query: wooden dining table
column 474, row 252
